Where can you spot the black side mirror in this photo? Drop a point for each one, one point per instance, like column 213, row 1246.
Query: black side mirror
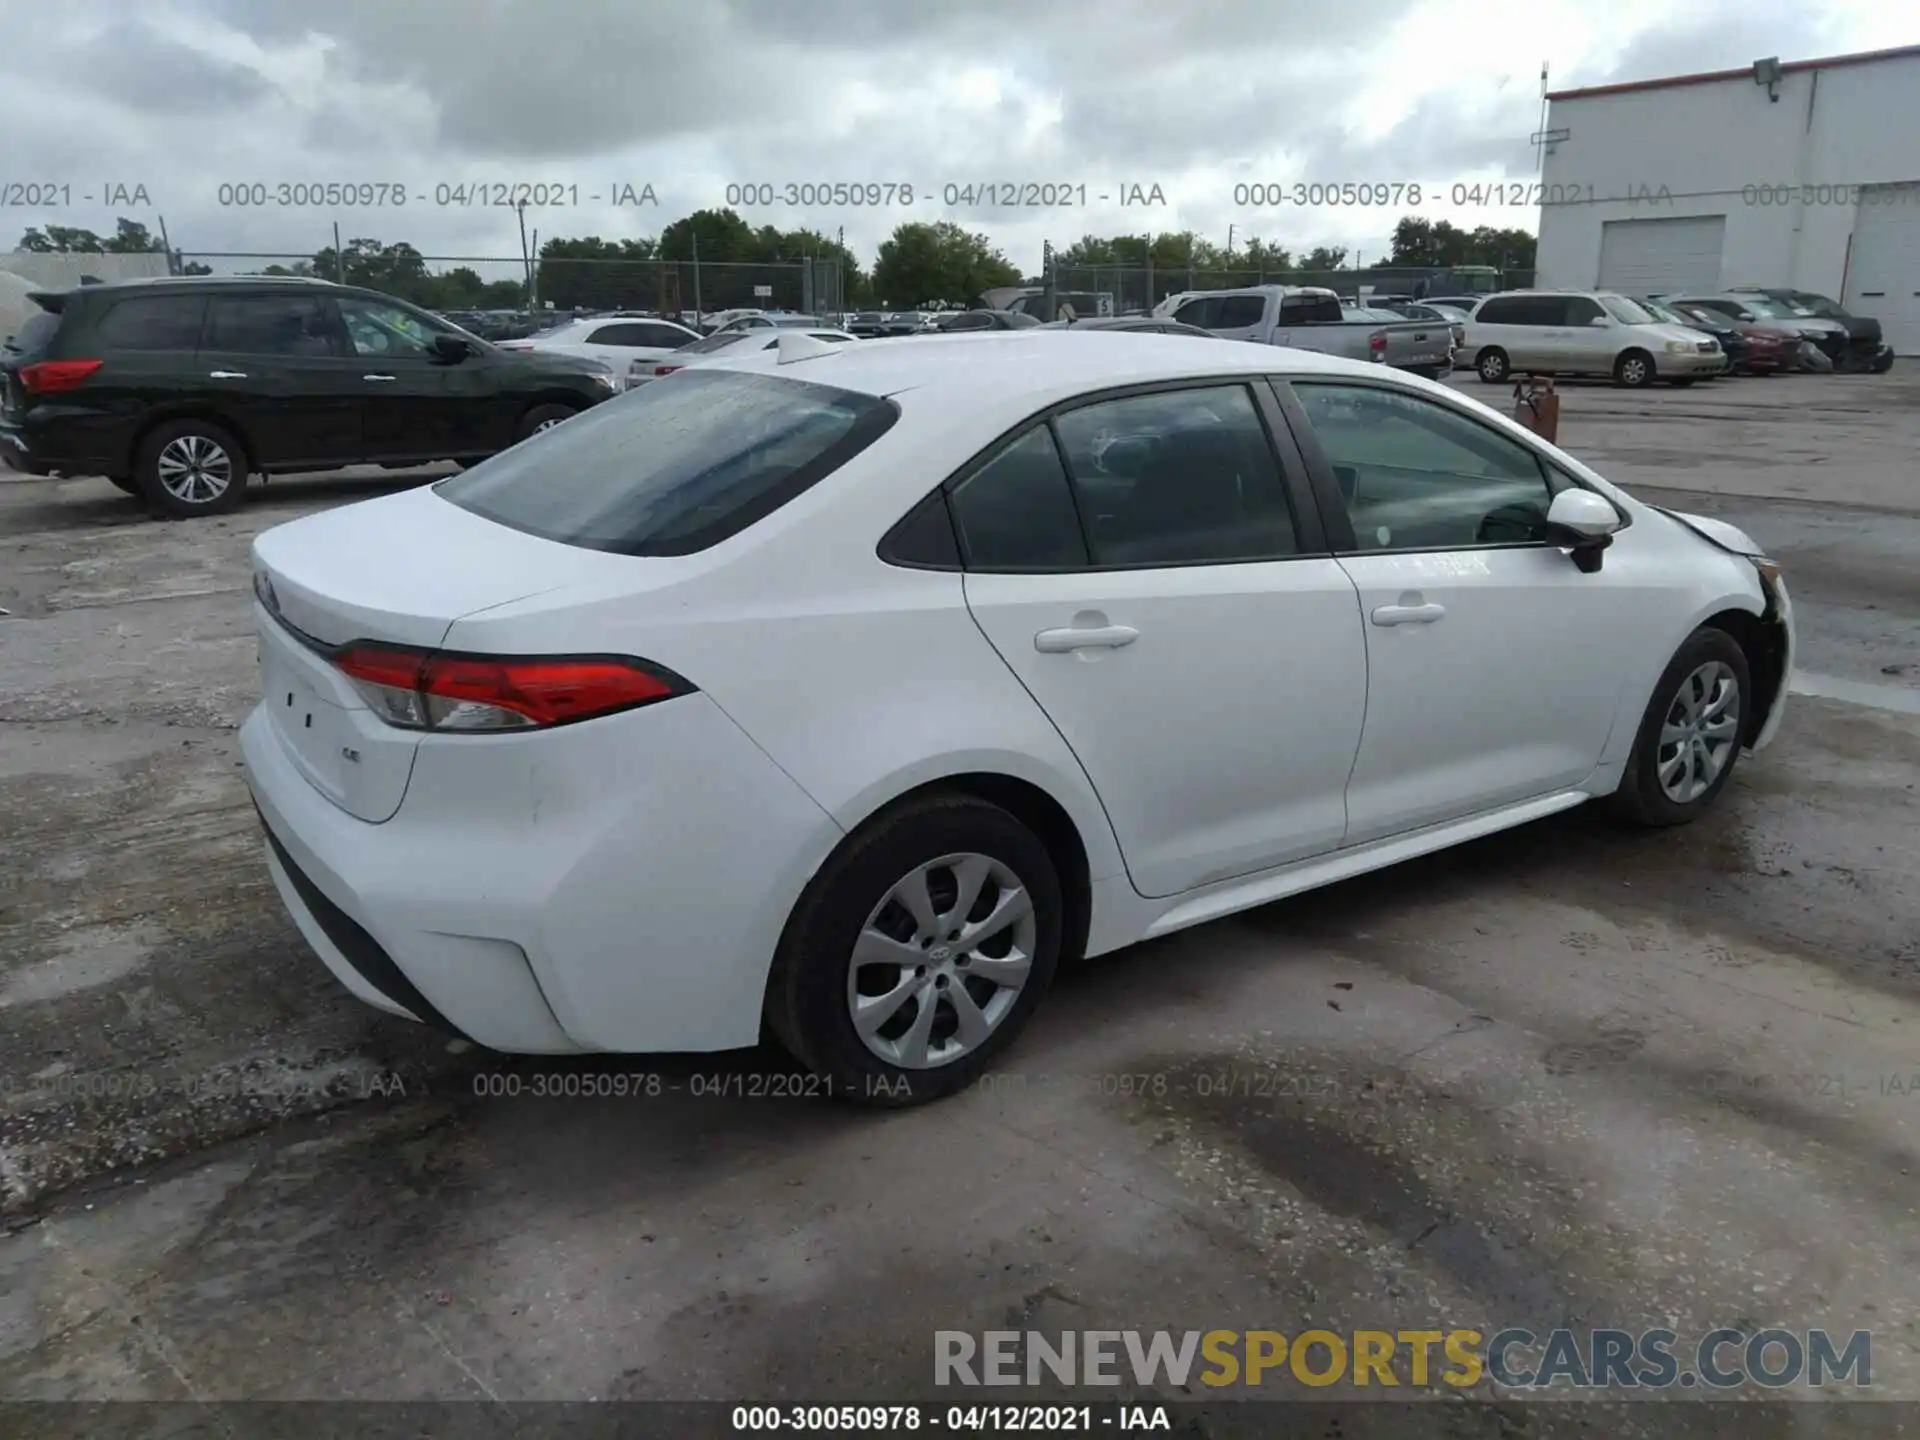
column 450, row 349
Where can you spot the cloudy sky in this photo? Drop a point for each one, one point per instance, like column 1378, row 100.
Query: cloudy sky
column 1194, row 96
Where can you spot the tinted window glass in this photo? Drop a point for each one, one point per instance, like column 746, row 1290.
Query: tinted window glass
column 154, row 322
column 302, row 325
column 1177, row 477
column 1417, row 475
column 1240, row 311
column 924, row 536
column 663, row 337
column 970, row 320
column 1204, row 313
column 675, row 466
column 1309, row 309
column 386, row 331
column 619, row 335
column 719, row 340
column 1016, row 512
column 1581, row 309
column 1498, row 311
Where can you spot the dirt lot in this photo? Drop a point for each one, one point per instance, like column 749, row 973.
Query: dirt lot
column 1565, row 1075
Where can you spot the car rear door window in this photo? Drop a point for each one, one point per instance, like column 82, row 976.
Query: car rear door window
column 154, row 322
column 676, row 466
column 625, row 334
column 288, row 325
column 1499, row 311
column 1418, row 475
column 1016, row 512
column 1237, row 312
column 662, row 337
column 1309, row 310
column 1177, row 477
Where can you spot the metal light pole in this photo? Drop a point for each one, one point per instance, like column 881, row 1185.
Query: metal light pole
column 526, row 260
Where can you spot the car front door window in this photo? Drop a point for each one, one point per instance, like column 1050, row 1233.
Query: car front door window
column 1417, row 476
column 385, row 332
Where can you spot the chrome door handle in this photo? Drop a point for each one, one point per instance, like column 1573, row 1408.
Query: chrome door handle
column 1100, row 637
column 376, row 377
column 1408, row 614
column 226, row 374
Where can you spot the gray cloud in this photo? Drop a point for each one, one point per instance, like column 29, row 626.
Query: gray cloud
column 690, row 95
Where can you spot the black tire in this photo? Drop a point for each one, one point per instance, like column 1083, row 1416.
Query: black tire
column 1634, row 369
column 1882, row 364
column 1641, row 798
column 541, row 417
column 124, row 482
column 173, row 494
column 807, row 1003
column 1491, row 364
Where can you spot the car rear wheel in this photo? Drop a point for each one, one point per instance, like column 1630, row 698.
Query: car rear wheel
column 1492, row 365
column 919, row 951
column 544, row 417
column 1690, row 737
column 189, row 468
column 1633, row 369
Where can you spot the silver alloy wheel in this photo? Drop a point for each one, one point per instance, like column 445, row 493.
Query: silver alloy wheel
column 1701, row 729
column 195, row 469
column 1493, row 369
column 549, row 424
column 941, row 961
column 1633, row 370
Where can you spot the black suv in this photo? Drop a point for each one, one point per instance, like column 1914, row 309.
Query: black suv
column 178, row 389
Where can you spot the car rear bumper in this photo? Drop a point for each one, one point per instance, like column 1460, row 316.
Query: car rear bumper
column 65, row 442
column 618, row 885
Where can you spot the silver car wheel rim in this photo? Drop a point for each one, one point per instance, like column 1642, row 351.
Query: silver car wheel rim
column 1699, row 733
column 941, row 961
column 546, row 425
column 1493, row 367
column 1633, row 372
column 194, row 469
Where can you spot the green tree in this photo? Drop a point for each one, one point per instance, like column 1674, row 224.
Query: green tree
column 1266, row 256
column 920, row 262
column 1325, row 257
column 396, row 269
column 594, row 274
column 722, row 237
column 60, row 240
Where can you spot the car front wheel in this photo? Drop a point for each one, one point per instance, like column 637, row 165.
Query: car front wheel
column 1690, row 737
column 189, row 468
column 1634, row 369
column 919, row 951
column 1492, row 366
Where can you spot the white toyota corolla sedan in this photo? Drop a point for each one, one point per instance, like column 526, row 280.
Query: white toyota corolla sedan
column 847, row 690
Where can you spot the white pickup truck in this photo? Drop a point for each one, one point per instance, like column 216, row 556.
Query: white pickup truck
column 1309, row 318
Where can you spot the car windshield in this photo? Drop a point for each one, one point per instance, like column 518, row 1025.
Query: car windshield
column 1819, row 305
column 1764, row 307
column 675, row 466
column 1627, row 312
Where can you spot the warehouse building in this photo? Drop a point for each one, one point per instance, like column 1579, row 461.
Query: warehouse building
column 1803, row 174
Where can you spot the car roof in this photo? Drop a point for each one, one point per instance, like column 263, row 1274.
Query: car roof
column 997, row 366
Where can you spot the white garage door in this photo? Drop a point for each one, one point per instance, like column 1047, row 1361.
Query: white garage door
column 1661, row 257
column 1883, row 270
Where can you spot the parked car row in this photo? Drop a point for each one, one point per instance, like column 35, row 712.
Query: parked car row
column 1671, row 339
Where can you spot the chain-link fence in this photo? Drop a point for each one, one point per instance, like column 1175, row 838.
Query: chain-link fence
column 1132, row 289
column 550, row 285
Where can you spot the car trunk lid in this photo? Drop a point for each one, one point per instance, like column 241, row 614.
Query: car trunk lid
column 395, row 571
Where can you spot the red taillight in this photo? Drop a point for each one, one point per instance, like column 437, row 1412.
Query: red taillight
column 660, row 370
column 1377, row 346
column 424, row 691
column 50, row 377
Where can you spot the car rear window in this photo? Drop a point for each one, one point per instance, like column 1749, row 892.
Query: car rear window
column 676, row 466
